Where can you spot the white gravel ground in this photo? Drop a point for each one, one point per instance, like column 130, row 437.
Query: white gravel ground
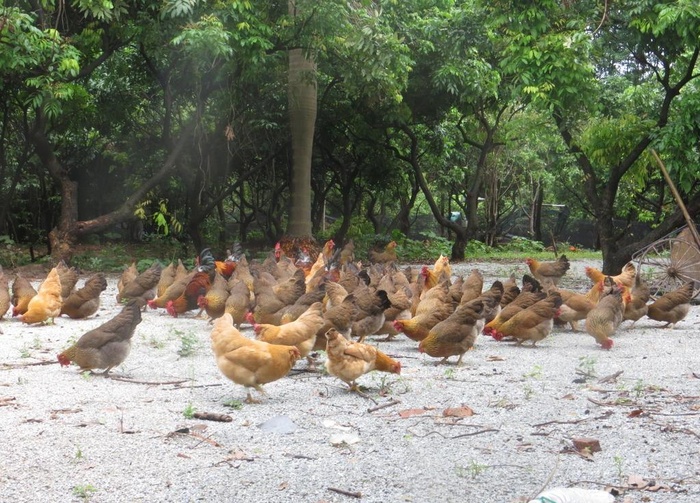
column 71, row 437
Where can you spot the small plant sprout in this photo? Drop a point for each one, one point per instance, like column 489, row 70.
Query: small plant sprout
column 639, row 388
column 189, row 411
column 535, row 373
column 619, row 461
column 84, row 491
column 450, row 373
column 188, row 344
column 25, row 351
column 473, row 470
column 234, row 404
column 586, row 367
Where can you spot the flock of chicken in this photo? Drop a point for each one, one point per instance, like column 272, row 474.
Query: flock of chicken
column 297, row 305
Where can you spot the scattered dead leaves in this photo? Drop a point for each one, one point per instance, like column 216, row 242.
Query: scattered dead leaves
column 463, row 411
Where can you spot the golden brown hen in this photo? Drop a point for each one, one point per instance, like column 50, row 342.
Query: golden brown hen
column 673, row 306
column 249, row 362
column 300, row 333
column 214, row 301
column 533, row 323
column 349, row 360
column 637, row 307
column 46, row 304
column 386, row 256
column 549, row 271
column 626, row 277
column 602, row 321
column 455, row 335
column 238, row 301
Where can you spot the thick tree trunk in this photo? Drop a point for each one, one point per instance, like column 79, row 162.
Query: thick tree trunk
column 64, row 237
column 302, row 102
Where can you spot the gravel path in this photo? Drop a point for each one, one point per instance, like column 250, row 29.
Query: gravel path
column 72, row 437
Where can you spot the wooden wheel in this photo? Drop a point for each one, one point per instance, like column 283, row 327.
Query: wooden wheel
column 670, row 262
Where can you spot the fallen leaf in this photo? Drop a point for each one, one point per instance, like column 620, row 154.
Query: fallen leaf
column 463, row 411
column 569, row 396
column 635, row 413
column 494, row 358
column 586, row 445
column 637, row 482
column 654, row 487
column 411, row 412
column 283, row 486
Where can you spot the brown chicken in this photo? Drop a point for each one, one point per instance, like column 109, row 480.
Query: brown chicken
column 433, row 278
column 270, row 300
column 4, row 293
column 472, row 287
column 455, row 335
column 533, row 323
column 324, row 258
column 386, row 256
column 238, row 301
column 399, row 310
column 348, row 360
column 576, row 306
column 432, row 309
column 510, row 290
column 673, row 306
column 522, row 301
column 197, row 287
column 228, row 266
column 637, row 307
column 491, row 299
column 289, row 290
column 46, row 304
column 108, row 345
column 369, row 317
column 174, row 291
column 214, row 301
column 626, row 277
column 170, row 275
column 128, row 275
column 243, row 273
column 340, row 315
column 347, row 253
column 142, row 286
column 22, row 293
column 548, row 271
column 249, row 362
column 300, row 332
column 606, row 316
column 85, row 301
column 68, row 277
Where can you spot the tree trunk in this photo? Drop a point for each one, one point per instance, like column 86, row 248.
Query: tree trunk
column 302, row 102
column 69, row 230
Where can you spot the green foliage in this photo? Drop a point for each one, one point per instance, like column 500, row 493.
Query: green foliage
column 84, row 491
column 189, row 410
column 189, row 343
